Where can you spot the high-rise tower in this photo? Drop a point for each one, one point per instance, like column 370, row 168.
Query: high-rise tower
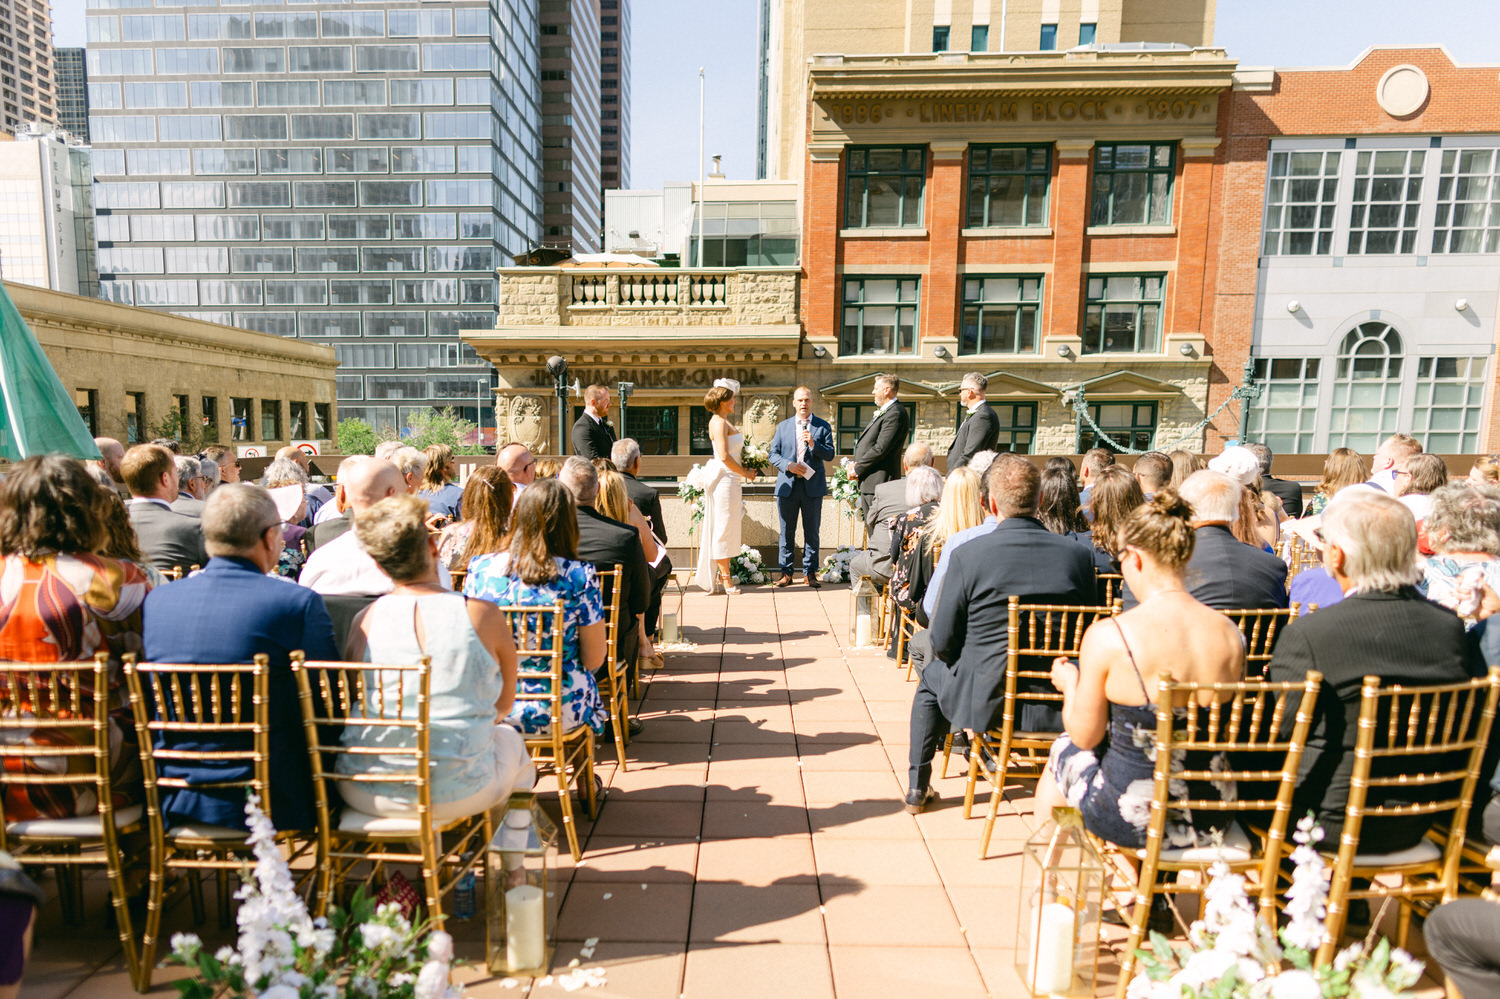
column 27, row 81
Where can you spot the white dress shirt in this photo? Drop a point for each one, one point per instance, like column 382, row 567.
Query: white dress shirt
column 342, row 568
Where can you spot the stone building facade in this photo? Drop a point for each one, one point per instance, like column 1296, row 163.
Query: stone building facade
column 128, row 368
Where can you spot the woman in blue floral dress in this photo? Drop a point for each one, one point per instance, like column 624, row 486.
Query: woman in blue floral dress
column 540, row 566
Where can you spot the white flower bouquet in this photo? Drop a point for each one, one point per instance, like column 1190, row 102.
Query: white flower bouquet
column 1232, row 954
column 690, row 491
column 835, row 567
column 747, row 566
column 842, row 486
column 283, row 953
column 755, row 456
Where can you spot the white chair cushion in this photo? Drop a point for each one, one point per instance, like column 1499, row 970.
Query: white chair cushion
column 194, row 830
column 352, row 821
column 81, row 827
column 1425, row 852
column 1236, row 848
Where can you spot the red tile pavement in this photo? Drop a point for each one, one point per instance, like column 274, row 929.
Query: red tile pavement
column 757, row 844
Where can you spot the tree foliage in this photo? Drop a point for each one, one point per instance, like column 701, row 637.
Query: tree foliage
column 356, row 437
column 192, row 435
column 427, row 427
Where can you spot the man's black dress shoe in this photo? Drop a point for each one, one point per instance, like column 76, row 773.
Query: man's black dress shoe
column 917, row 800
column 785, row 580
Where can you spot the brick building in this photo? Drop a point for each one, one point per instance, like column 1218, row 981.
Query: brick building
column 1045, row 218
column 1359, row 209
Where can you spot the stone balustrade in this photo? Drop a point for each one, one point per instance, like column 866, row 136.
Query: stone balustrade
column 629, row 296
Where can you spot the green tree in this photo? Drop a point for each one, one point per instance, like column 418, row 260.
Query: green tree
column 193, row 436
column 432, row 426
column 356, row 437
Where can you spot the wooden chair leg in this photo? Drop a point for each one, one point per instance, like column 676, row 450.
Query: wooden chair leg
column 588, row 763
column 620, row 720
column 948, row 752
column 565, row 805
column 195, row 895
column 155, row 889
column 221, row 888
column 997, row 791
column 972, row 781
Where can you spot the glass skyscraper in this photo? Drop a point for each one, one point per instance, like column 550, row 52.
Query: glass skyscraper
column 347, row 173
column 72, row 93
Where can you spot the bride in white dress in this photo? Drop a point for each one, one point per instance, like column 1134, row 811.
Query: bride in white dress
column 723, row 504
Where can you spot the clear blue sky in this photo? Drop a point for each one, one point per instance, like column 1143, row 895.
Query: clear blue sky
column 672, row 38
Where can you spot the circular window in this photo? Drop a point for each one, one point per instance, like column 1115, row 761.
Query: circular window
column 1402, row 91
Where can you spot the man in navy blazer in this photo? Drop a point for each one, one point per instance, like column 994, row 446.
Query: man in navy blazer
column 228, row 613
column 963, row 687
column 798, row 451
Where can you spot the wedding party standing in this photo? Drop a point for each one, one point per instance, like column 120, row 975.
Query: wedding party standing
column 981, row 427
column 877, row 453
column 592, row 434
column 798, row 450
column 723, row 502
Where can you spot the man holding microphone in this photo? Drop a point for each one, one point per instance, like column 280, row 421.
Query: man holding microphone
column 798, row 450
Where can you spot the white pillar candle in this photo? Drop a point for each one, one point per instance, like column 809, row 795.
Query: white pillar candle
column 1051, row 957
column 525, row 932
column 863, row 628
column 669, row 626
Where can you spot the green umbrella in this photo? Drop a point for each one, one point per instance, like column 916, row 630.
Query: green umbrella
column 38, row 417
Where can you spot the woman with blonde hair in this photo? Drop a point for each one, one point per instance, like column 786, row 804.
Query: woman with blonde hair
column 1184, row 463
column 614, row 502
column 1342, row 468
column 442, row 494
column 1486, row 469
column 958, row 510
column 485, row 515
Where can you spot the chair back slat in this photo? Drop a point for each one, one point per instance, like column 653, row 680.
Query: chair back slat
column 1261, row 627
column 1111, row 586
column 1042, row 631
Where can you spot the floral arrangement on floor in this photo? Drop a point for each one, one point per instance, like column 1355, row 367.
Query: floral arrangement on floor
column 842, row 486
column 747, row 566
column 283, row 953
column 755, row 456
column 690, row 491
column 836, row 566
column 1232, row 954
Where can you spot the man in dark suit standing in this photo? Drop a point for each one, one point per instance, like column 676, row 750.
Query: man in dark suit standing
column 798, row 449
column 963, row 687
column 1290, row 493
column 626, row 455
column 981, row 427
column 1383, row 627
column 608, row 543
column 228, row 613
column 1224, row 572
column 169, row 540
column 877, row 453
column 592, row 434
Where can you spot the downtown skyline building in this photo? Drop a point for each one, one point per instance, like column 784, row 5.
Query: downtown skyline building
column 345, row 174
column 27, row 79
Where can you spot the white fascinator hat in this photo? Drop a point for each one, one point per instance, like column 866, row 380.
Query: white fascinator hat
column 728, row 383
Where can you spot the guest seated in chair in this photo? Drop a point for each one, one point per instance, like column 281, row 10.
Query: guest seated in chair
column 1383, row 627
column 477, row 758
column 540, row 566
column 964, row 684
column 1100, row 764
column 228, row 613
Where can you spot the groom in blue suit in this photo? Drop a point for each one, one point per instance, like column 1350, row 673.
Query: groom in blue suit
column 798, row 451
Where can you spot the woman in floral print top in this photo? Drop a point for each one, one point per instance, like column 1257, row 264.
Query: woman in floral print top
column 539, row 568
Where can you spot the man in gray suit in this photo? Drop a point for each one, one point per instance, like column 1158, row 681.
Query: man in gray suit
column 981, row 427
column 169, row 540
column 890, row 501
column 191, row 487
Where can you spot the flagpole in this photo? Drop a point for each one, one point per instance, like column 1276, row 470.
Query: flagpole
column 701, row 178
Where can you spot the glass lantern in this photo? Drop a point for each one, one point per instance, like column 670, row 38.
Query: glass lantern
column 520, row 912
column 864, row 611
column 1062, row 892
column 670, row 630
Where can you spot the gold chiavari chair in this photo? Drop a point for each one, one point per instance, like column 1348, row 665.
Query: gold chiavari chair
column 368, row 724
column 1242, row 725
column 538, row 633
column 459, row 575
column 1261, row 628
column 207, row 719
column 1111, row 586
column 54, row 743
column 617, row 674
column 1036, row 632
column 1299, row 555
column 1429, row 737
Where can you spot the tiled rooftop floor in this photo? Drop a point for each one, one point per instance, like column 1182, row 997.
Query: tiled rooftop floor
column 757, row 844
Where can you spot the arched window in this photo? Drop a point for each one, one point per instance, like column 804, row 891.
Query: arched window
column 1367, row 390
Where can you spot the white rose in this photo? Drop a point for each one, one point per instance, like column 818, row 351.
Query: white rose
column 280, row 992
column 440, row 946
column 432, row 980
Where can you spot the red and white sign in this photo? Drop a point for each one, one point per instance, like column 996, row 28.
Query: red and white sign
column 306, row 447
column 250, row 452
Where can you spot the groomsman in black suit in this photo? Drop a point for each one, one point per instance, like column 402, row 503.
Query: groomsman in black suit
column 877, row 453
column 592, row 435
column 981, row 427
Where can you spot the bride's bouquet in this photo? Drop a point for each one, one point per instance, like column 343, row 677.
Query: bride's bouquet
column 755, row 456
column 690, row 491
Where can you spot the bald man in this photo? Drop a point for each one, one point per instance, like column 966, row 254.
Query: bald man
column 517, row 461
column 341, row 567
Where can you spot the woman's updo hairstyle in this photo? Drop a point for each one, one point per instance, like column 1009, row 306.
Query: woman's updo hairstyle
column 716, row 397
column 1162, row 528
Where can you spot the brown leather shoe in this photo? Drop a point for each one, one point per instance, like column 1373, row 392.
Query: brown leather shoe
column 812, row 581
column 785, row 580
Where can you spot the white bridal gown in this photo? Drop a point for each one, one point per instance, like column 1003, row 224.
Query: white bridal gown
column 723, row 510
